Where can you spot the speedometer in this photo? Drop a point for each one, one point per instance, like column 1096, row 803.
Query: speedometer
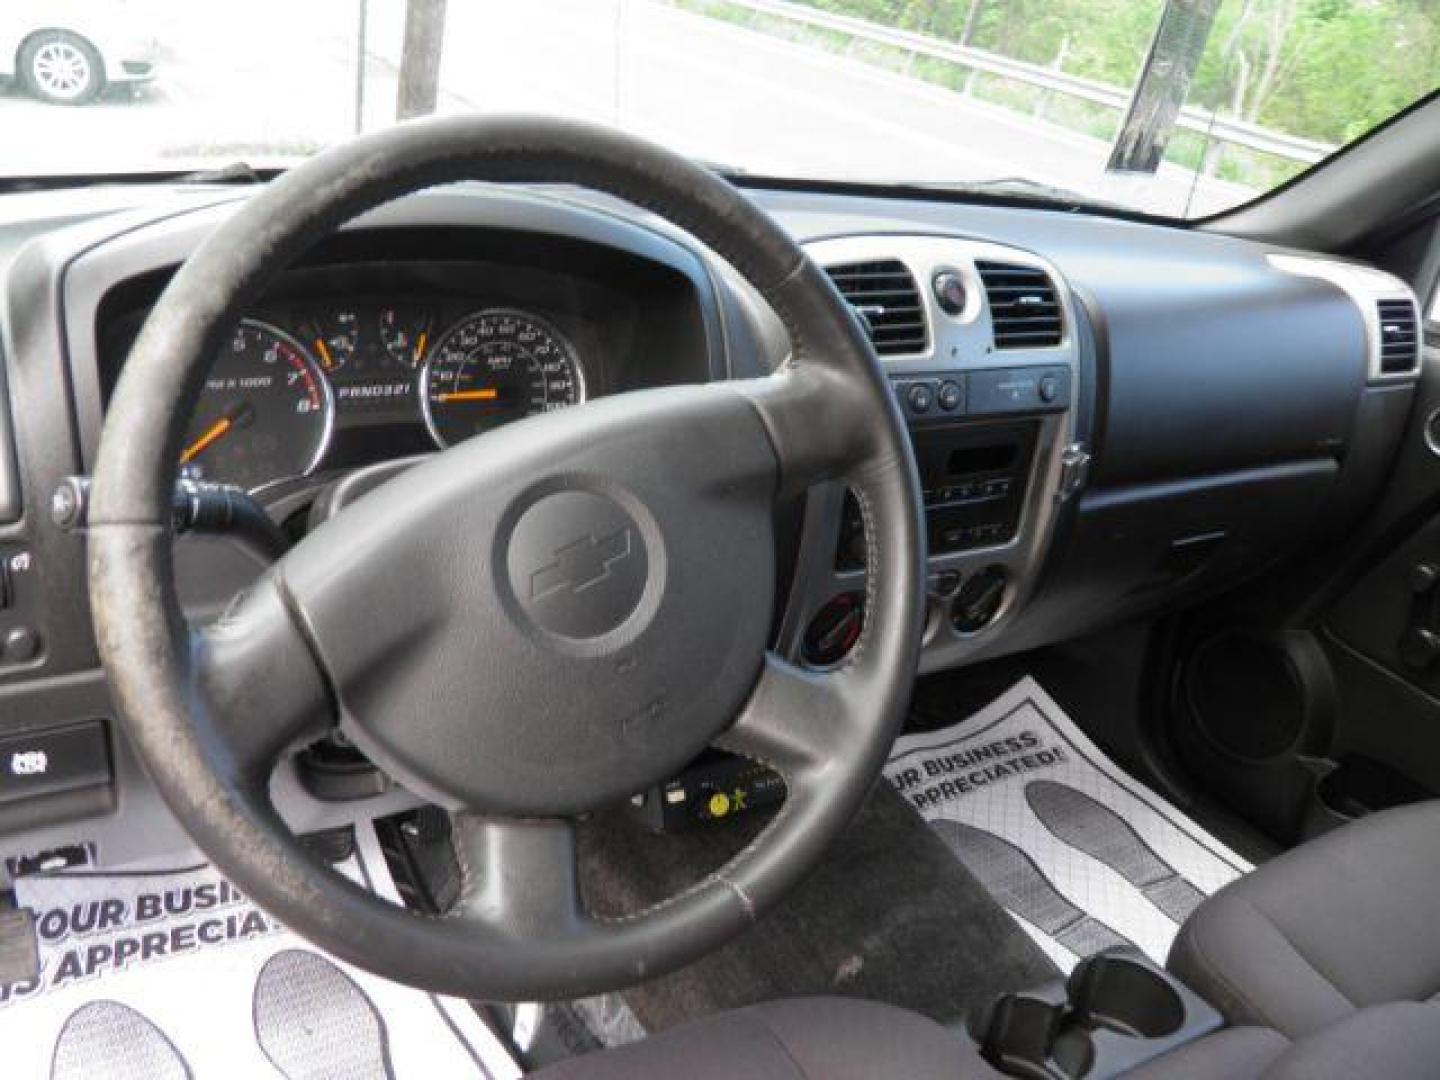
column 493, row 367
column 264, row 414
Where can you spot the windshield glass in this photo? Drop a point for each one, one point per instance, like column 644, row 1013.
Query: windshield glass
column 1173, row 107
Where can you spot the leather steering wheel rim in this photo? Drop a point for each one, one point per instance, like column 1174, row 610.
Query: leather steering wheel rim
column 211, row 710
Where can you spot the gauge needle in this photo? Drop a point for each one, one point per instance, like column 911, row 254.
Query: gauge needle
column 324, row 351
column 488, row 394
column 233, row 416
column 420, row 346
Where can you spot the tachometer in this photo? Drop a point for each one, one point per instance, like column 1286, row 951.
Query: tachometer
column 265, row 412
column 493, row 367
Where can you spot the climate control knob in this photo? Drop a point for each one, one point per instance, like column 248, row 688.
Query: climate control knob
column 979, row 599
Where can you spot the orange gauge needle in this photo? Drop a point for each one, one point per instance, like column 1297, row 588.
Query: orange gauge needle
column 324, row 351
column 215, row 431
column 420, row 344
column 489, row 394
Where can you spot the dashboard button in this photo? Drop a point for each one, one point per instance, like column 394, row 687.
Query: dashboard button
column 949, row 289
column 1049, row 388
column 948, row 397
column 919, row 397
column 46, row 762
column 20, row 644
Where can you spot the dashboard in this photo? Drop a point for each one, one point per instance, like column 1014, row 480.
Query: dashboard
column 1108, row 417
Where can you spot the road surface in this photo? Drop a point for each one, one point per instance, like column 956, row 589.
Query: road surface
column 276, row 78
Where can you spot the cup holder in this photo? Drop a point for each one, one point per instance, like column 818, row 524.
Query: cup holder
column 1116, row 1011
column 1125, row 996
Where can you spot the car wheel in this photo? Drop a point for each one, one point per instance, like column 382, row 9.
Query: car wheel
column 62, row 68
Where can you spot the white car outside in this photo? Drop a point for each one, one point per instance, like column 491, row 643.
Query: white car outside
column 68, row 51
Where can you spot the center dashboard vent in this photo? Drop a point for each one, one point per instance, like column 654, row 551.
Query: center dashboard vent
column 1399, row 337
column 1024, row 309
column 884, row 294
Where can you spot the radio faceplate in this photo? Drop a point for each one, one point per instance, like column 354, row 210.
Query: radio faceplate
column 974, row 479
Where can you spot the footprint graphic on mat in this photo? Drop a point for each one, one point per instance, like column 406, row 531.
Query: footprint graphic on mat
column 105, row 1040
column 1089, row 826
column 314, row 1023
column 1022, row 888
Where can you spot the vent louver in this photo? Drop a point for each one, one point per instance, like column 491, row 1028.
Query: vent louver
column 1024, row 309
column 1399, row 337
column 885, row 295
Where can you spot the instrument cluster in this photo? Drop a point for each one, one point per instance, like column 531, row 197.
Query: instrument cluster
column 298, row 391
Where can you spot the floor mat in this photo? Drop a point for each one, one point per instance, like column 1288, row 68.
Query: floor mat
column 887, row 915
column 1082, row 856
column 173, row 973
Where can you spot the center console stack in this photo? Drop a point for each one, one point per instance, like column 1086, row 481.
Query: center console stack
column 979, row 344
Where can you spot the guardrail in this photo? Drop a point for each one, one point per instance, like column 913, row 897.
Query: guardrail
column 1219, row 128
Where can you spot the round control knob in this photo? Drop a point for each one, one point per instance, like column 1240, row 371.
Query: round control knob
column 948, row 396
column 1049, row 388
column 834, row 630
column 1419, row 647
column 949, row 288
column 978, row 601
column 1423, row 578
column 919, row 397
column 20, row 644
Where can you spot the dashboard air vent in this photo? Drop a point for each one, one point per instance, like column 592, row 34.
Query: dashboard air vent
column 1399, row 337
column 1023, row 306
column 884, row 294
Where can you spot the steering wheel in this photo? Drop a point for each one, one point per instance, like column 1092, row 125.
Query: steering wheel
column 536, row 623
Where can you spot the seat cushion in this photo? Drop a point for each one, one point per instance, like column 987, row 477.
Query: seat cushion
column 1399, row 1042
column 798, row 1039
column 1340, row 923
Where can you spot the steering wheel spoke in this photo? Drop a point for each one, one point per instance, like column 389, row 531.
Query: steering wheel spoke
column 817, row 431
column 257, row 683
column 792, row 721
column 518, row 876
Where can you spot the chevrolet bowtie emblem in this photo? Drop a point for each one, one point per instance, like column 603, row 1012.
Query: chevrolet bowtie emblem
column 581, row 564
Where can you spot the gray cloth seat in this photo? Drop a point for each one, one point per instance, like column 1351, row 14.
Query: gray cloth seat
column 795, row 1039
column 1338, row 924
column 847, row 1039
column 843, row 1039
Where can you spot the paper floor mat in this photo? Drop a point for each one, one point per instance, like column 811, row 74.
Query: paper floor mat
column 1083, row 856
column 174, row 974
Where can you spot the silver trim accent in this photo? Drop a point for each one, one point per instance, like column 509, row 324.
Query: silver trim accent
column 965, row 344
column 1428, row 431
column 1366, row 286
column 970, row 337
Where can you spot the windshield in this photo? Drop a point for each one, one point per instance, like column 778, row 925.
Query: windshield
column 1173, row 107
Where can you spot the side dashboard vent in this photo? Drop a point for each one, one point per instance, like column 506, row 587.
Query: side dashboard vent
column 1024, row 309
column 884, row 294
column 1399, row 337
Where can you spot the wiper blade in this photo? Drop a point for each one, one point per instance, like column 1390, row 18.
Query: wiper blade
column 237, row 172
column 1018, row 187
